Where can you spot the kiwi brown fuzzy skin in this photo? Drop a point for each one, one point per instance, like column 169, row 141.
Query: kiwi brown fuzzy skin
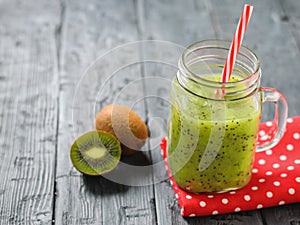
column 90, row 171
column 125, row 124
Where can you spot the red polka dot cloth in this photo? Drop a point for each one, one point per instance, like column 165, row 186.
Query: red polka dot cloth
column 275, row 180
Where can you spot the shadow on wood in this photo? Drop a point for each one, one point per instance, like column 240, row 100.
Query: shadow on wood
column 102, row 186
column 137, row 159
column 111, row 183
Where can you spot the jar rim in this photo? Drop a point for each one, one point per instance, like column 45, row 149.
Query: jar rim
column 221, row 44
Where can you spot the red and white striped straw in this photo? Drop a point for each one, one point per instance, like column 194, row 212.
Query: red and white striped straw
column 236, row 43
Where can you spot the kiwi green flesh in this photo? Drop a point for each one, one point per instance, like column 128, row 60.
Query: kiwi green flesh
column 95, row 153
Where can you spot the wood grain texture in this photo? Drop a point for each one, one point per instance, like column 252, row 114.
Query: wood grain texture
column 291, row 15
column 178, row 22
column 287, row 214
column 28, row 99
column 90, row 30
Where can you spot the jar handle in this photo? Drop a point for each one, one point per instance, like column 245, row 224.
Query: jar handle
column 280, row 117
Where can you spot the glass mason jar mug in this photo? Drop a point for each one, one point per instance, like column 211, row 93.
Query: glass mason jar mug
column 213, row 126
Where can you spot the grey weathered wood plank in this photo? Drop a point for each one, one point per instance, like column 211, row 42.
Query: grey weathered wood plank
column 91, row 29
column 292, row 16
column 28, row 114
column 287, row 214
column 159, row 21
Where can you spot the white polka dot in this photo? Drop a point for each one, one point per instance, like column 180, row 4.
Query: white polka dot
column 259, row 206
column 171, row 182
column 247, row 197
column 254, row 170
column 175, row 188
column 262, row 162
column 296, row 136
column 283, row 175
column 276, row 183
column 202, row 203
column 232, row 192
column 225, row 201
column 290, row 147
column 192, row 215
column 262, row 180
column 276, row 165
column 264, row 138
column 297, row 161
column 281, row 203
column 166, row 167
column 182, row 211
column 176, row 196
column 261, row 133
column 269, row 173
column 188, row 197
column 215, row 212
column 290, row 168
column 254, row 188
column 297, row 179
column 282, row 157
column 291, row 191
column 210, row 196
column 269, row 152
column 237, row 209
column 269, row 194
column 269, row 124
column 289, row 120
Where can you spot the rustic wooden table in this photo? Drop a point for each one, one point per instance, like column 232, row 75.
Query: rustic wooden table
column 45, row 49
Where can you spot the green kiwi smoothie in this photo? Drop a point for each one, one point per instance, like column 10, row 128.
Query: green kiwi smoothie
column 211, row 144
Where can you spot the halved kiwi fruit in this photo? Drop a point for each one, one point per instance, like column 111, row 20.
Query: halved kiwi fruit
column 95, row 153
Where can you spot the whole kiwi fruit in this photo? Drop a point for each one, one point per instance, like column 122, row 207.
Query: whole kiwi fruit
column 125, row 124
column 95, row 153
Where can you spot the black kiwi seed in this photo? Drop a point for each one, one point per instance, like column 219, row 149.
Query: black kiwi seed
column 95, row 153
